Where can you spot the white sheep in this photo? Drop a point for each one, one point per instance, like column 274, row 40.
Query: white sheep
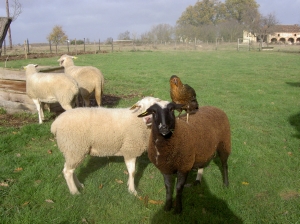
column 50, row 88
column 89, row 79
column 102, row 132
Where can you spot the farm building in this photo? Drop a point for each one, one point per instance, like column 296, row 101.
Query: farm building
column 285, row 34
column 288, row 34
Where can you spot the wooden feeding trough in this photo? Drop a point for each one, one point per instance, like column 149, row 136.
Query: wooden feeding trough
column 13, row 97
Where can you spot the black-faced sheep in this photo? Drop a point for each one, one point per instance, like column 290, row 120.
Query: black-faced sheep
column 176, row 147
column 102, row 132
column 89, row 79
column 50, row 88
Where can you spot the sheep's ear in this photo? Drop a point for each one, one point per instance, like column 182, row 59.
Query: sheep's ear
column 24, row 67
column 74, row 57
column 134, row 107
column 36, row 65
column 144, row 114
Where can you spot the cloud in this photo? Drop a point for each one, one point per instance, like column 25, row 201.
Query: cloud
column 95, row 19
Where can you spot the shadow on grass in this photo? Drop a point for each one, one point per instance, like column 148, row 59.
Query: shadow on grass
column 294, row 84
column 295, row 121
column 94, row 163
column 199, row 206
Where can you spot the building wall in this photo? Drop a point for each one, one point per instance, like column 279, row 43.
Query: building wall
column 284, row 37
column 289, row 34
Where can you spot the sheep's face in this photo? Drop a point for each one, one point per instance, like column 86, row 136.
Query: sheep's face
column 63, row 58
column 163, row 118
column 145, row 103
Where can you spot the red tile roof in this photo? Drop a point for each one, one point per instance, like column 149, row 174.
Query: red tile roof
column 287, row 28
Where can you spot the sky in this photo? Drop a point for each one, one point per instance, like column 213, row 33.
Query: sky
column 102, row 19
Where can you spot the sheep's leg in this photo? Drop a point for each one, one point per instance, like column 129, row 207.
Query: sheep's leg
column 38, row 107
column 77, row 183
column 98, row 94
column 69, row 176
column 130, row 164
column 42, row 112
column 181, row 179
column 224, row 157
column 168, row 178
column 225, row 173
column 199, row 176
column 86, row 101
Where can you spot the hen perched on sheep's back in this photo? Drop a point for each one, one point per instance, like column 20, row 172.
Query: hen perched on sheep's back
column 183, row 94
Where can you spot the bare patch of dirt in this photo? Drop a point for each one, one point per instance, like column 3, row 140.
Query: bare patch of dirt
column 11, row 120
column 287, row 195
column 19, row 120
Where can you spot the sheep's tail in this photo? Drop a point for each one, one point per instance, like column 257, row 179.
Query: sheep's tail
column 99, row 90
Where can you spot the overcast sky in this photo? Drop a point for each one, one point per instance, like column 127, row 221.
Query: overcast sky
column 101, row 19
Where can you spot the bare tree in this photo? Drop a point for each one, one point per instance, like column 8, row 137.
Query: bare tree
column 266, row 26
column 124, row 36
column 161, row 33
column 17, row 10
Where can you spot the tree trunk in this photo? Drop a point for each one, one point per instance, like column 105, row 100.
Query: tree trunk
column 9, row 31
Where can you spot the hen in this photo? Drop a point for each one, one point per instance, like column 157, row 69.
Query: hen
column 183, row 94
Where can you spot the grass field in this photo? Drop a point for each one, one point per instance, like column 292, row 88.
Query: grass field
column 258, row 90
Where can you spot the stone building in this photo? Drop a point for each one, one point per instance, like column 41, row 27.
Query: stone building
column 288, row 34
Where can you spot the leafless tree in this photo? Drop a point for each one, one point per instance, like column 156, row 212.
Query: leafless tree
column 124, row 36
column 266, row 26
column 16, row 11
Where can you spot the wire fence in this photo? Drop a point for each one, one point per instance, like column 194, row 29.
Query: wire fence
column 129, row 45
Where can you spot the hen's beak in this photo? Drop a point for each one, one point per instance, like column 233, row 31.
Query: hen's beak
column 175, row 81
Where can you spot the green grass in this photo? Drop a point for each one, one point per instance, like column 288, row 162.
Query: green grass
column 258, row 90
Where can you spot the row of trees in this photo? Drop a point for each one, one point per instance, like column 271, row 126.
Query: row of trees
column 211, row 19
column 207, row 20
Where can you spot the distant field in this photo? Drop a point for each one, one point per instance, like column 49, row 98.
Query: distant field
column 94, row 47
column 258, row 90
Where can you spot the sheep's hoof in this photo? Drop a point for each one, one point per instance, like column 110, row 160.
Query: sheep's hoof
column 75, row 193
column 168, row 206
column 197, row 182
column 134, row 192
column 177, row 210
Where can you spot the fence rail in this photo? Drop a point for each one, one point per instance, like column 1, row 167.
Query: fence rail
column 117, row 46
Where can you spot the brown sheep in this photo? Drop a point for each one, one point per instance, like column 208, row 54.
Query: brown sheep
column 176, row 147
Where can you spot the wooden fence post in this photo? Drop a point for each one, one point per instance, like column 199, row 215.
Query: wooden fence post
column 27, row 45
column 99, row 45
column 75, row 47
column 112, row 45
column 50, row 47
column 83, row 44
column 25, row 49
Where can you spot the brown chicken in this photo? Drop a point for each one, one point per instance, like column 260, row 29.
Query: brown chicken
column 183, row 94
